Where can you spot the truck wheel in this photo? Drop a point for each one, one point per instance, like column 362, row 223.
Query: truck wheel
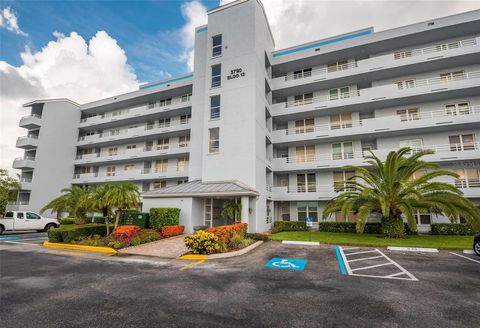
column 476, row 248
column 49, row 226
column 2, row 229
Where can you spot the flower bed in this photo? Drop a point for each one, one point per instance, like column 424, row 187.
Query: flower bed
column 171, row 231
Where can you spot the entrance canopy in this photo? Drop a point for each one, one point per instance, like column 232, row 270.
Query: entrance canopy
column 197, row 188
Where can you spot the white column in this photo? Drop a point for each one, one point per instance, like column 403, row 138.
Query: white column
column 245, row 206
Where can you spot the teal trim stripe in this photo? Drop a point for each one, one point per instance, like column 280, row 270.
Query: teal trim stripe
column 322, row 43
column 202, row 29
column 165, row 82
column 340, row 261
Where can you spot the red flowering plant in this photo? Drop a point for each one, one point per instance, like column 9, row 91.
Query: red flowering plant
column 227, row 232
column 170, row 231
column 126, row 233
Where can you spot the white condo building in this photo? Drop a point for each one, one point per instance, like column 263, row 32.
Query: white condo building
column 270, row 128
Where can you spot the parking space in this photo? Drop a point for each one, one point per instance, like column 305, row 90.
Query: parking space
column 26, row 238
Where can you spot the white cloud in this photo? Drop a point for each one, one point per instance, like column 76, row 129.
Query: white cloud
column 195, row 15
column 296, row 22
column 68, row 67
column 9, row 20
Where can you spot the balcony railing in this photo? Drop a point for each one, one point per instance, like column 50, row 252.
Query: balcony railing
column 133, row 174
column 145, row 151
column 405, row 119
column 438, row 48
column 20, row 202
column 31, row 115
column 467, row 183
column 25, row 158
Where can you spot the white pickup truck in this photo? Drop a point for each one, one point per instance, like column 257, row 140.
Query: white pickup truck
column 20, row 220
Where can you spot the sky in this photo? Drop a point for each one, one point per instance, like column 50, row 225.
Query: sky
column 88, row 50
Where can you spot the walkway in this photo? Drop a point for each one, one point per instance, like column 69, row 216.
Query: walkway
column 168, row 248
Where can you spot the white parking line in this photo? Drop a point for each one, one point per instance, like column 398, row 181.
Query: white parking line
column 465, row 257
column 20, row 243
column 389, row 261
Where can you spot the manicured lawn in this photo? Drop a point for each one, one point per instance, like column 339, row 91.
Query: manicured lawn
column 440, row 242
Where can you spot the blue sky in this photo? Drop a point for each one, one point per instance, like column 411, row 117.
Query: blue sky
column 142, row 28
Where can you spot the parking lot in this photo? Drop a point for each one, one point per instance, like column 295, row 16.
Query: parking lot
column 378, row 288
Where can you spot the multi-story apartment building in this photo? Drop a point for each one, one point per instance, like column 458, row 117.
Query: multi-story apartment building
column 271, row 128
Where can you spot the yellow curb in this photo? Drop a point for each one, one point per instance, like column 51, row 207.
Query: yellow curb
column 81, row 247
column 193, row 257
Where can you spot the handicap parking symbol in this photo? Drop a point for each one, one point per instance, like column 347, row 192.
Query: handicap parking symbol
column 289, row 264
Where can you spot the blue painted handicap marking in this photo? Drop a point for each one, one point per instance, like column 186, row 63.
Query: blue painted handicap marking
column 8, row 238
column 289, row 264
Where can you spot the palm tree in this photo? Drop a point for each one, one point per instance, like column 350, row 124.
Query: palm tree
column 69, row 202
column 391, row 190
column 231, row 209
column 97, row 201
column 122, row 196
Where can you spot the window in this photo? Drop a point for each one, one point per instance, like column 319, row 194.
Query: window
column 84, row 169
column 207, row 212
column 159, row 184
column 403, row 54
column 112, row 151
column 305, row 153
column 307, row 209
column 151, row 105
column 9, row 215
column 185, row 119
column 303, row 99
column 457, row 109
column 116, row 113
column 216, row 45
column 129, row 167
column 110, row 171
column 468, row 178
column 114, row 132
column 164, row 122
column 406, row 84
column 32, row 216
column 131, row 147
column 339, row 93
column 462, row 142
column 409, row 114
column 342, row 150
column 306, row 72
column 161, row 165
column 216, row 75
column 423, row 218
column 163, row 143
column 452, row 76
column 340, row 121
column 306, row 182
column 215, row 107
column 165, row 102
column 182, row 164
column 214, row 140
column 415, row 144
column 179, row 182
column 340, row 180
column 183, row 141
column 284, row 209
column 186, row 97
column 337, row 66
column 447, row 46
column 305, row 126
column 20, row 215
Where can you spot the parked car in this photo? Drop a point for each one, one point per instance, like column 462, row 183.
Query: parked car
column 476, row 244
column 20, row 220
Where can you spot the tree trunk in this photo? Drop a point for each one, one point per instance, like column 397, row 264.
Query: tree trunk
column 117, row 218
column 105, row 217
column 393, row 227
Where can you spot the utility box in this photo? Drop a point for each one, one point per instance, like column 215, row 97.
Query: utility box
column 136, row 218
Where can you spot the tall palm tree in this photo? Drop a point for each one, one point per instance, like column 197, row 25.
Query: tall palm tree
column 96, row 200
column 122, row 196
column 69, row 202
column 391, row 190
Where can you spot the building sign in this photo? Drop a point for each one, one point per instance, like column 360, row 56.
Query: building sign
column 235, row 74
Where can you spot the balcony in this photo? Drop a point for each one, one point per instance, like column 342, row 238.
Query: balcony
column 18, row 206
column 170, row 172
column 443, row 153
column 386, row 95
column 426, row 58
column 26, row 183
column 133, row 133
column 294, row 193
column 28, row 142
column 392, row 124
column 141, row 111
column 30, row 121
column 129, row 154
column 26, row 162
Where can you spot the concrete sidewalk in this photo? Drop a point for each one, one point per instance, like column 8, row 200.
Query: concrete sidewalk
column 167, row 248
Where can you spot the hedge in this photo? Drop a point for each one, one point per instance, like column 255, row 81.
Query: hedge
column 451, row 229
column 160, row 217
column 257, row 236
column 65, row 221
column 372, row 227
column 70, row 233
column 279, row 226
column 101, row 219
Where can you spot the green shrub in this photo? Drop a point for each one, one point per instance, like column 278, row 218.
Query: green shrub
column 279, row 226
column 65, row 221
column 101, row 219
column 202, row 243
column 393, row 227
column 70, row 233
column 452, row 229
column 370, row 227
column 160, row 217
column 257, row 236
column 238, row 242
